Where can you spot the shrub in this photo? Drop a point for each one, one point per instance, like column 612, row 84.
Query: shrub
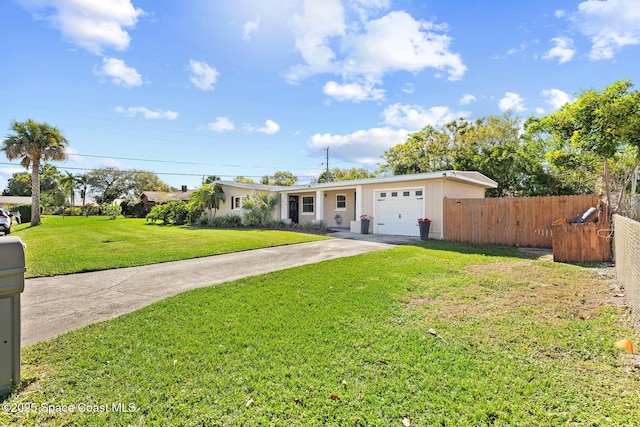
column 258, row 207
column 135, row 210
column 76, row 211
column 175, row 212
column 24, row 211
column 225, row 221
column 90, row 210
column 112, row 210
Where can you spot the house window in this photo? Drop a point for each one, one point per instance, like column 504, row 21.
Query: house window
column 307, row 205
column 341, row 202
column 383, row 194
column 394, row 194
column 419, row 193
column 406, row 193
column 237, row 202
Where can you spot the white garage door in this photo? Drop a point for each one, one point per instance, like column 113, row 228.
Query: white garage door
column 397, row 211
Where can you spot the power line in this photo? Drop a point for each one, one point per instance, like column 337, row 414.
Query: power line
column 157, row 173
column 175, row 162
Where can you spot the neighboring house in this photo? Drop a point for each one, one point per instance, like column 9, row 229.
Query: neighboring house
column 152, row 198
column 393, row 203
column 6, row 201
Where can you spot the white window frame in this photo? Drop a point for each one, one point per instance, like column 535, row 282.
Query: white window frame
column 235, row 206
column 338, row 208
column 313, row 205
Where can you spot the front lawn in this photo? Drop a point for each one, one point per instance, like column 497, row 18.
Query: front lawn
column 433, row 334
column 62, row 245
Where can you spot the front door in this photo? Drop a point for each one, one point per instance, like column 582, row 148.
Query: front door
column 293, row 209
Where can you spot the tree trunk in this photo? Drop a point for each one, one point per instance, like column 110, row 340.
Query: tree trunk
column 35, row 193
column 607, row 189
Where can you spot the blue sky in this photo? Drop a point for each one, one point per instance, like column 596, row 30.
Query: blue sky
column 193, row 88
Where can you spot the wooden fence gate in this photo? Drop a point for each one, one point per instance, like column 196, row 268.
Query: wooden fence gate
column 517, row 221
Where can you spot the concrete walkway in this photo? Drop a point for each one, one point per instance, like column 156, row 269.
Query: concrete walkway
column 54, row 305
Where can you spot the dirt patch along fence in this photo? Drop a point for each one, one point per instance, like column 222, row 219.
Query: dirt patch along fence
column 626, row 243
column 518, row 221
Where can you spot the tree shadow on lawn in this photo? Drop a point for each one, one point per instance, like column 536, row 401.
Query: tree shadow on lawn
column 483, row 249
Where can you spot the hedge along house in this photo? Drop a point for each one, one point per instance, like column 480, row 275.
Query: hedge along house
column 393, row 203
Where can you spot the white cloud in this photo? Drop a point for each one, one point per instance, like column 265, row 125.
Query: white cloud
column 520, row 48
column 408, row 88
column 563, row 50
column 147, row 113
column 118, row 72
column 72, row 155
column 94, row 25
column 363, row 146
column 270, row 127
column 204, row 76
column 416, row 117
column 313, row 31
column 559, row 13
column 611, row 25
column 222, row 124
column 250, row 27
column 511, row 102
column 556, row 98
column 11, row 171
column 397, row 42
column 467, row 99
column 367, row 49
column 111, row 163
column 353, row 92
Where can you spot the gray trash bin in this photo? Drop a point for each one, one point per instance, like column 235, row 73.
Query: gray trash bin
column 12, row 268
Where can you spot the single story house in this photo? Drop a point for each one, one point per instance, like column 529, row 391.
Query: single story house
column 151, row 198
column 393, row 203
column 14, row 200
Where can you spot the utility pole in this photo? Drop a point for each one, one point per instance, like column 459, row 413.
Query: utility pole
column 327, row 176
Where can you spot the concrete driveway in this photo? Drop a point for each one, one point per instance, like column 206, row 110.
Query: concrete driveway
column 54, row 305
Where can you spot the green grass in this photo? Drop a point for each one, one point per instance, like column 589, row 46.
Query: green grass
column 62, row 245
column 347, row 343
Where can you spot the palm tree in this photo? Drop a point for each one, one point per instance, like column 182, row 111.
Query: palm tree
column 260, row 204
column 83, row 183
column 209, row 197
column 69, row 183
column 34, row 143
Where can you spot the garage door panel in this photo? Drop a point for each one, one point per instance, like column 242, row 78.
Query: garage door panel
column 397, row 211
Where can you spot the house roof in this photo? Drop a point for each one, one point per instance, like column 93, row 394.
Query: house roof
column 163, row 196
column 15, row 200
column 469, row 177
column 251, row 186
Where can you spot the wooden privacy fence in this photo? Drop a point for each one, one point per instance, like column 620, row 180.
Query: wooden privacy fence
column 517, row 221
column 586, row 242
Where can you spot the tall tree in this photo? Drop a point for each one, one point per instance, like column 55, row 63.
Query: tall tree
column 18, row 185
column 83, row 185
column 108, row 184
column 34, row 143
column 211, row 179
column 69, row 183
column 601, row 124
column 280, row 178
column 244, row 179
column 489, row 145
column 338, row 174
column 141, row 181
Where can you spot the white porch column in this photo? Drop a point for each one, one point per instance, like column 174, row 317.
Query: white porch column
column 319, row 205
column 284, row 206
column 358, row 202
